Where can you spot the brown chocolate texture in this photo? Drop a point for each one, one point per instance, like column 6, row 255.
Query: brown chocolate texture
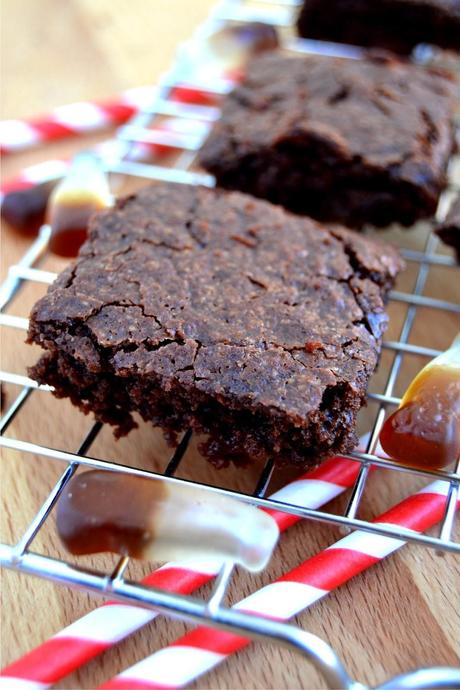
column 350, row 141
column 213, row 310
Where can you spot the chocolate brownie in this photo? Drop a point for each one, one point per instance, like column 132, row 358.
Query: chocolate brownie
column 449, row 230
column 396, row 25
column 213, row 310
column 341, row 140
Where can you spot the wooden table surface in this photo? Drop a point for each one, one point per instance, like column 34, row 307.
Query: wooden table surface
column 401, row 614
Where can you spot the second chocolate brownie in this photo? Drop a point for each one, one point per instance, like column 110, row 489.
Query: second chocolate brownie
column 213, row 310
column 340, row 140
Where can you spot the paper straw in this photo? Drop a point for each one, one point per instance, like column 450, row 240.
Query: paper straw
column 77, row 119
column 72, row 120
column 34, row 175
column 103, row 627
column 171, row 133
column 204, row 648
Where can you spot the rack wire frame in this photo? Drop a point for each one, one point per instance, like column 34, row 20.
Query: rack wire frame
column 121, row 159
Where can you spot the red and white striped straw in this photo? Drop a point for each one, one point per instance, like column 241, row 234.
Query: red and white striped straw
column 17, row 135
column 170, row 134
column 73, row 119
column 103, row 627
column 34, row 175
column 77, row 119
column 204, row 648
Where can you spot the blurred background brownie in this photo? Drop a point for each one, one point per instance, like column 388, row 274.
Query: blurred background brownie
column 396, row 25
column 212, row 310
column 449, row 230
column 352, row 141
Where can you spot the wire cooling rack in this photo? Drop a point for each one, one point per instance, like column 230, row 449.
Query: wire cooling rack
column 120, row 159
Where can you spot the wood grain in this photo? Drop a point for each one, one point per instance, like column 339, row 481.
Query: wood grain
column 401, row 614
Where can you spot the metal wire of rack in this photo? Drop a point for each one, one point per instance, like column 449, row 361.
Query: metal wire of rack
column 121, row 161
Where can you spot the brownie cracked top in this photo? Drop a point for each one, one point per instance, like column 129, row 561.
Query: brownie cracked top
column 226, row 294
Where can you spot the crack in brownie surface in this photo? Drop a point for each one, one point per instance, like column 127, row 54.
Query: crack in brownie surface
column 209, row 309
column 352, row 141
